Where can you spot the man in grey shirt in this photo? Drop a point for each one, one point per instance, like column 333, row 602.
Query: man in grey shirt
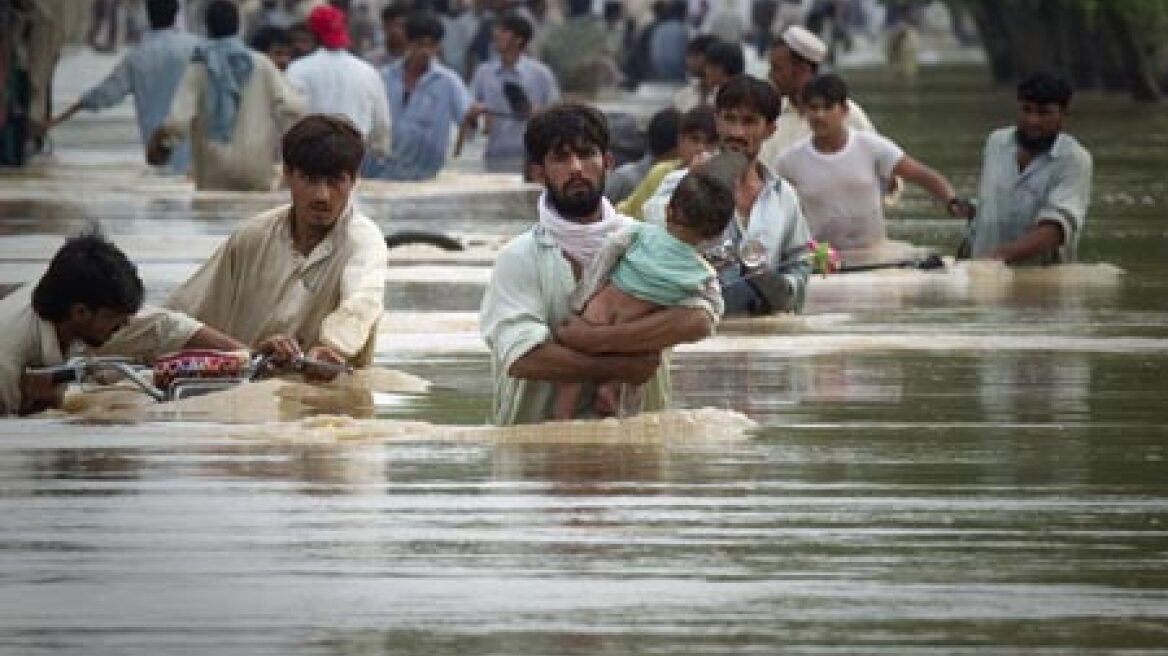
column 1035, row 182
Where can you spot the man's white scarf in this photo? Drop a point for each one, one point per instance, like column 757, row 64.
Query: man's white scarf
column 580, row 241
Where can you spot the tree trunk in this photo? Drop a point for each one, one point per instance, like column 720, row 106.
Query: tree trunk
column 1139, row 76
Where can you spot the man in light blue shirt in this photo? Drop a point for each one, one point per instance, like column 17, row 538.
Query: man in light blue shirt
column 1035, row 182
column 426, row 100
column 494, row 89
column 151, row 72
column 765, row 268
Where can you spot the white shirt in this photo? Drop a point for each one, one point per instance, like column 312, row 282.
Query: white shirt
column 336, row 82
column 792, row 127
column 841, row 191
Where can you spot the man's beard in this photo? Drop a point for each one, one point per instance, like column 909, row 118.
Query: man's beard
column 1034, row 144
column 577, row 205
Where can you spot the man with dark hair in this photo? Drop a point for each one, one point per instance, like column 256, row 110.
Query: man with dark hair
column 333, row 81
column 527, row 298
column 89, row 300
column 507, row 90
column 724, row 60
column 768, row 237
column 1035, row 182
column 839, row 173
column 276, row 43
column 238, row 104
column 303, row 40
column 795, row 58
column 306, row 277
column 151, row 73
column 393, row 28
column 661, row 135
column 426, row 99
column 697, row 93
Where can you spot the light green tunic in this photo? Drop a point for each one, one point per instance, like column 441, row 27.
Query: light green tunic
column 525, row 299
column 660, row 268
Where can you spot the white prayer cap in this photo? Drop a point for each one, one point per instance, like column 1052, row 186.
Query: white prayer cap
column 805, row 44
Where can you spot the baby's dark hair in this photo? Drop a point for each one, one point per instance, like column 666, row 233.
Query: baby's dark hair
column 703, row 203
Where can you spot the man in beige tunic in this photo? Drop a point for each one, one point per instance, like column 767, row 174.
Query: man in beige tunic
column 236, row 104
column 306, row 277
column 88, row 302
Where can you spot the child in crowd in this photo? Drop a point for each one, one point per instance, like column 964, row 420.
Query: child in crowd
column 647, row 267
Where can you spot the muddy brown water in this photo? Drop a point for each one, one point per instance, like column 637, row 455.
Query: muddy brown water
column 965, row 464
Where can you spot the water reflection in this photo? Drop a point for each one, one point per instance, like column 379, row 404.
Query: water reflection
column 1035, row 387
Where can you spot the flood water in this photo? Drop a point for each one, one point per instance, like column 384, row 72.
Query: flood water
column 960, row 463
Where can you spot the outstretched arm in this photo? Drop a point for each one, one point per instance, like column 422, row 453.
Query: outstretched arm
column 928, row 179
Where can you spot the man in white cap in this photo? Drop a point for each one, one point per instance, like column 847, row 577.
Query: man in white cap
column 795, row 58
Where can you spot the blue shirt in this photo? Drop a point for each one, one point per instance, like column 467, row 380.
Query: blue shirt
column 667, row 48
column 504, row 151
column 1054, row 187
column 421, row 121
column 151, row 72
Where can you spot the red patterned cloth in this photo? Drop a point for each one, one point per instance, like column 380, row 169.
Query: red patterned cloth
column 199, row 363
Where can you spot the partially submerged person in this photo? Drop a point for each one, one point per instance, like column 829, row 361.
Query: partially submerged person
column 697, row 137
column 795, row 58
column 765, row 269
column 499, row 83
column 426, row 101
column 647, row 268
column 238, row 104
column 1035, row 182
column 88, row 302
column 151, row 73
column 308, row 277
column 838, row 172
column 332, row 80
column 526, row 302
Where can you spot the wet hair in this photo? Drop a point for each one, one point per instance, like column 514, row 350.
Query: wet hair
column 424, row 25
column 1045, row 89
column 699, row 44
column 393, row 11
column 747, row 92
column 161, row 13
column 268, row 36
column 222, row 18
column 323, row 145
column 89, row 270
column 726, row 56
column 567, row 124
column 700, row 119
column 828, row 87
column 703, row 203
column 517, row 25
column 662, row 132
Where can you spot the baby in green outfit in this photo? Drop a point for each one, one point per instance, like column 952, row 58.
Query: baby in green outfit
column 658, row 267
